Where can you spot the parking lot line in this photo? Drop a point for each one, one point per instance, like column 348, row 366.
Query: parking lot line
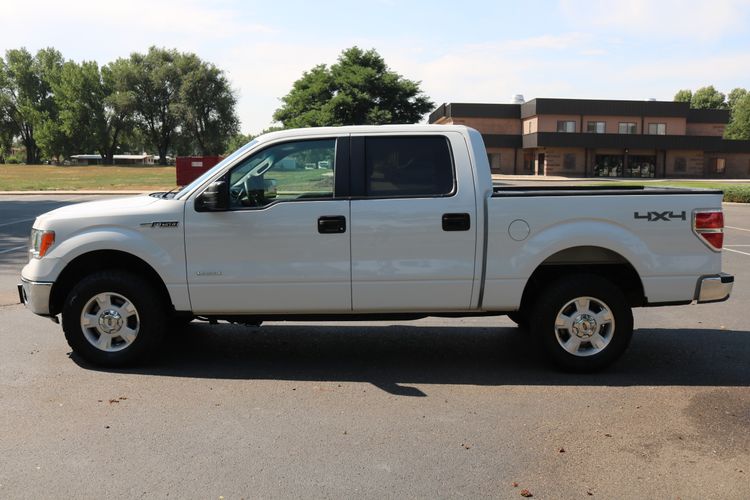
column 7, row 250
column 15, row 222
column 738, row 228
column 736, row 251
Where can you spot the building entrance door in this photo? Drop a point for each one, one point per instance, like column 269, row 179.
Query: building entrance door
column 540, row 164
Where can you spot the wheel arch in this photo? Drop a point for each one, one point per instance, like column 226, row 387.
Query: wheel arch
column 100, row 260
column 587, row 259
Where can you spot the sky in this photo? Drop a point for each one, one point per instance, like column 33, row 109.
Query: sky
column 460, row 51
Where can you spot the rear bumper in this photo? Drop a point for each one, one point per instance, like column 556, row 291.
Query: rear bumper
column 35, row 296
column 714, row 288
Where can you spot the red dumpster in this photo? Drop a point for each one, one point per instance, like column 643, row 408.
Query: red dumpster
column 190, row 168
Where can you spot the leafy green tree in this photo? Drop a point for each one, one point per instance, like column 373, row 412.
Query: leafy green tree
column 116, row 108
column 734, row 96
column 358, row 89
column 7, row 131
column 76, row 95
column 684, row 95
column 155, row 81
column 739, row 125
column 708, row 98
column 236, row 142
column 181, row 100
column 26, row 94
column 206, row 105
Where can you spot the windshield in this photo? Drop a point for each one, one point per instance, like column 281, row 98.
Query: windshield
column 200, row 180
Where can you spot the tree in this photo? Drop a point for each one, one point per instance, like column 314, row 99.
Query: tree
column 708, row 98
column 155, row 80
column 7, row 129
column 118, row 108
column 684, row 95
column 358, row 89
column 178, row 98
column 206, row 106
column 236, row 142
column 76, row 95
column 734, row 96
column 26, row 94
column 739, row 125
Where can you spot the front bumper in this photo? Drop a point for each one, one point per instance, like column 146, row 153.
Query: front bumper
column 35, row 296
column 714, row 288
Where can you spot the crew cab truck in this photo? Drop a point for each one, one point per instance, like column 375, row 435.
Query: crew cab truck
column 395, row 222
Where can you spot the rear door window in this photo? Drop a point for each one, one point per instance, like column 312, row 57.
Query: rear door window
column 411, row 166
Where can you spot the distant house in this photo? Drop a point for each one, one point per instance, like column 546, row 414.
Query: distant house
column 93, row 159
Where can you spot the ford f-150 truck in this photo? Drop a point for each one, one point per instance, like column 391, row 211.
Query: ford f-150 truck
column 366, row 222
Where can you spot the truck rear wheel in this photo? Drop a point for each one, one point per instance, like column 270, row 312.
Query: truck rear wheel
column 114, row 319
column 583, row 322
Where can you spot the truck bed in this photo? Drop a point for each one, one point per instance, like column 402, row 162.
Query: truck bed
column 519, row 191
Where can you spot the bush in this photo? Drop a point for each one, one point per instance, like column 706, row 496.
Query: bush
column 739, row 193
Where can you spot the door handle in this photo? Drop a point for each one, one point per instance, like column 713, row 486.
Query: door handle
column 456, row 222
column 330, row 224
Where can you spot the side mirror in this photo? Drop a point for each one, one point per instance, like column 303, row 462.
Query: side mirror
column 215, row 198
column 269, row 189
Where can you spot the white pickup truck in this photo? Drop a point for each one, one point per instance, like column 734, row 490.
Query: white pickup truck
column 366, row 222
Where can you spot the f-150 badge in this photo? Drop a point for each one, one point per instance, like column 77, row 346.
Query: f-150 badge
column 661, row 216
column 160, row 224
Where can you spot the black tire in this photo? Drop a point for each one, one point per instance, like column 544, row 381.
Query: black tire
column 587, row 341
column 148, row 321
column 519, row 318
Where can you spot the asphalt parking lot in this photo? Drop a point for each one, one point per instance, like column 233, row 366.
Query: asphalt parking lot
column 428, row 408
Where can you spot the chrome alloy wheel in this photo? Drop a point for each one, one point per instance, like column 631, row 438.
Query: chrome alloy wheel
column 584, row 326
column 110, row 322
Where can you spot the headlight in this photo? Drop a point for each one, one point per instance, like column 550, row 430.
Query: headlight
column 41, row 242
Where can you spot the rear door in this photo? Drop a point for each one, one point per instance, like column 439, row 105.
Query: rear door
column 413, row 223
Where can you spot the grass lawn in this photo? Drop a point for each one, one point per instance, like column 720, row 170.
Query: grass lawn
column 47, row 177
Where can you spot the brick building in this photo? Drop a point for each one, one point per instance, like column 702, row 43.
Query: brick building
column 602, row 138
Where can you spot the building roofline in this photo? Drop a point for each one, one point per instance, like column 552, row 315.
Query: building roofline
column 475, row 110
column 591, row 107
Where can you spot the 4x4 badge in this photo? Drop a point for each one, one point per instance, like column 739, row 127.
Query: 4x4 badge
column 657, row 216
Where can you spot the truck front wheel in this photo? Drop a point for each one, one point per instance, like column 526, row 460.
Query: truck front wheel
column 583, row 322
column 114, row 319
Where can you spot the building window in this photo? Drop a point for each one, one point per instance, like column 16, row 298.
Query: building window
column 680, row 165
column 566, row 126
column 569, row 161
column 626, row 128
column 719, row 165
column 494, row 161
column 657, row 128
column 596, row 127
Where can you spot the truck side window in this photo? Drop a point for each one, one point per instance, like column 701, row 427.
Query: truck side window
column 288, row 171
column 408, row 166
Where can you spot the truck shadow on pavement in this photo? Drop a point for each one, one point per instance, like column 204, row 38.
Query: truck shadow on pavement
column 394, row 358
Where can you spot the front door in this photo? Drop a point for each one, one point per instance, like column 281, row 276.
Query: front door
column 413, row 224
column 283, row 246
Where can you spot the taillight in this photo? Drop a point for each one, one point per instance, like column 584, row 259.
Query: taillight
column 709, row 226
